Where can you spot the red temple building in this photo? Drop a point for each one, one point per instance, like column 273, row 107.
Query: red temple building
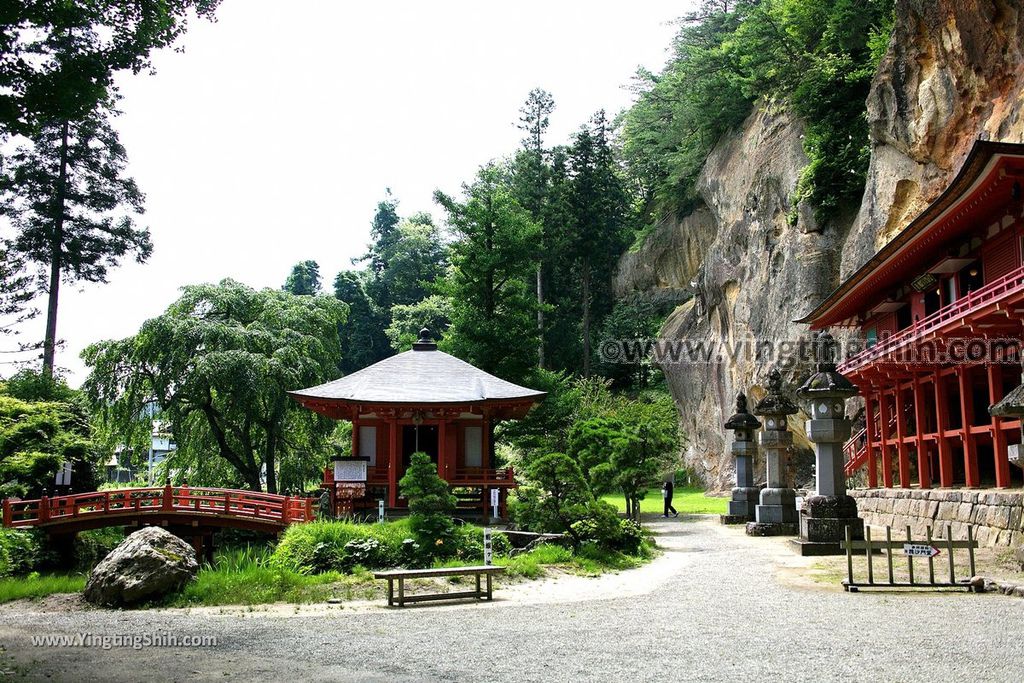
column 423, row 400
column 938, row 309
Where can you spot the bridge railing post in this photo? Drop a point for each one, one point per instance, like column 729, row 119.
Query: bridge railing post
column 309, row 510
column 286, row 509
column 227, row 503
column 168, row 500
column 8, row 516
column 44, row 509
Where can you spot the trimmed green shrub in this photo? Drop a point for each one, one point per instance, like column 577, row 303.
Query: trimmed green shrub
column 431, row 506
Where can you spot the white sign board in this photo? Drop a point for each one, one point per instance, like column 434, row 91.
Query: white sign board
column 380, row 510
column 920, row 550
column 64, row 475
column 349, row 470
column 494, row 502
column 487, row 545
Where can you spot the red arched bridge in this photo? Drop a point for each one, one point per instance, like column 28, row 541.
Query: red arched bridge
column 169, row 506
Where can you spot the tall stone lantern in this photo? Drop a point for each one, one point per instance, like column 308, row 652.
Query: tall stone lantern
column 776, row 513
column 744, row 449
column 825, row 515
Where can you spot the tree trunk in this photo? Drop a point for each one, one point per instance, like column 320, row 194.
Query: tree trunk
column 540, row 316
column 586, row 317
column 56, row 258
column 271, row 461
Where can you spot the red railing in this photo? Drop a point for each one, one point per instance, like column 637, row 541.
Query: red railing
column 856, row 450
column 198, row 501
column 463, row 476
column 478, row 476
column 1011, row 283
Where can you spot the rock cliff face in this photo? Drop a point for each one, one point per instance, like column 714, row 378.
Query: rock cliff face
column 954, row 72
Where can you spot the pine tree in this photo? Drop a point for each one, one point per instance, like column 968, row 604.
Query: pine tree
column 383, row 235
column 493, row 309
column 73, row 208
column 304, row 279
column 532, row 184
column 600, row 209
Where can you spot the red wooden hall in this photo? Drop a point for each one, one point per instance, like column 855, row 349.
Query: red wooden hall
column 424, row 400
column 939, row 308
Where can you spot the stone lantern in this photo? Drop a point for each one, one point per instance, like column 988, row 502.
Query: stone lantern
column 744, row 449
column 825, row 515
column 776, row 514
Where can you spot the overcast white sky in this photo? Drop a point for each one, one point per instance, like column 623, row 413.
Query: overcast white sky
column 273, row 136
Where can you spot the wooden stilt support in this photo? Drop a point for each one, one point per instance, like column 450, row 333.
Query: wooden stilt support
column 999, row 448
column 924, row 469
column 901, row 435
column 871, row 438
column 883, row 414
column 942, row 424
column 971, row 474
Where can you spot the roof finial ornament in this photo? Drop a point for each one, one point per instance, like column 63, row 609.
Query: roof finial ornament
column 425, row 342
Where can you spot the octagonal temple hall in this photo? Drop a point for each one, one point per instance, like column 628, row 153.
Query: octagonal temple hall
column 423, row 400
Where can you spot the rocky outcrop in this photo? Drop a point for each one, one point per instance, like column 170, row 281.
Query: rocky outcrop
column 954, row 72
column 149, row 563
column 758, row 267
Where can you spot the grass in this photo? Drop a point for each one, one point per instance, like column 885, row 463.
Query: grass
column 37, row 585
column 688, row 501
column 245, row 576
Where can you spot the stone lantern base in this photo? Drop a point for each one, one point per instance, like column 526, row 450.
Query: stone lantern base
column 742, row 506
column 823, row 522
column 776, row 515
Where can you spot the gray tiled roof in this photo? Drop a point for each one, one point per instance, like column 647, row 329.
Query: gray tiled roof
column 419, row 376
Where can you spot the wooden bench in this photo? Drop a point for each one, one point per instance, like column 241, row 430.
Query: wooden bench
column 400, row 575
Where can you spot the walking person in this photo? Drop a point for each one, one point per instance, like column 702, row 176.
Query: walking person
column 666, row 494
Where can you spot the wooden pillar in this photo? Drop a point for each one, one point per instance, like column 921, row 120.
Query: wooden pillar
column 393, row 463
column 485, row 447
column 355, row 437
column 941, row 425
column 967, row 419
column 924, row 468
column 442, row 448
column 883, row 419
column 871, row 439
column 999, row 450
column 901, row 434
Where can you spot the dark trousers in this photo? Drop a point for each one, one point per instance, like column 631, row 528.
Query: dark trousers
column 668, row 506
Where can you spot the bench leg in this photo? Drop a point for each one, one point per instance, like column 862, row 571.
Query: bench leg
column 391, row 592
column 490, row 588
column 478, row 593
column 401, row 592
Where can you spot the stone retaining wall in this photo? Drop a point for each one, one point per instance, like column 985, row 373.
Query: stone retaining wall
column 998, row 516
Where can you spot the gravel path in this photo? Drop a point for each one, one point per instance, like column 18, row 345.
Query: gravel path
column 716, row 606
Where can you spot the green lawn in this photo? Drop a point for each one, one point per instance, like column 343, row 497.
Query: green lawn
column 37, row 585
column 688, row 501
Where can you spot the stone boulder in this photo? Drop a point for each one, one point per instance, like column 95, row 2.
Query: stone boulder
column 149, row 563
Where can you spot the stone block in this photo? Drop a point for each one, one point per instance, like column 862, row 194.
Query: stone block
column 1016, row 513
column 963, row 512
column 946, row 511
column 998, row 516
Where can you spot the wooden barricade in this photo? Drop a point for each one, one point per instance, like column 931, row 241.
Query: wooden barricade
column 929, row 549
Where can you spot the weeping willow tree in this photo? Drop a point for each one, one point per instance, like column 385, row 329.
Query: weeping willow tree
column 217, row 365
